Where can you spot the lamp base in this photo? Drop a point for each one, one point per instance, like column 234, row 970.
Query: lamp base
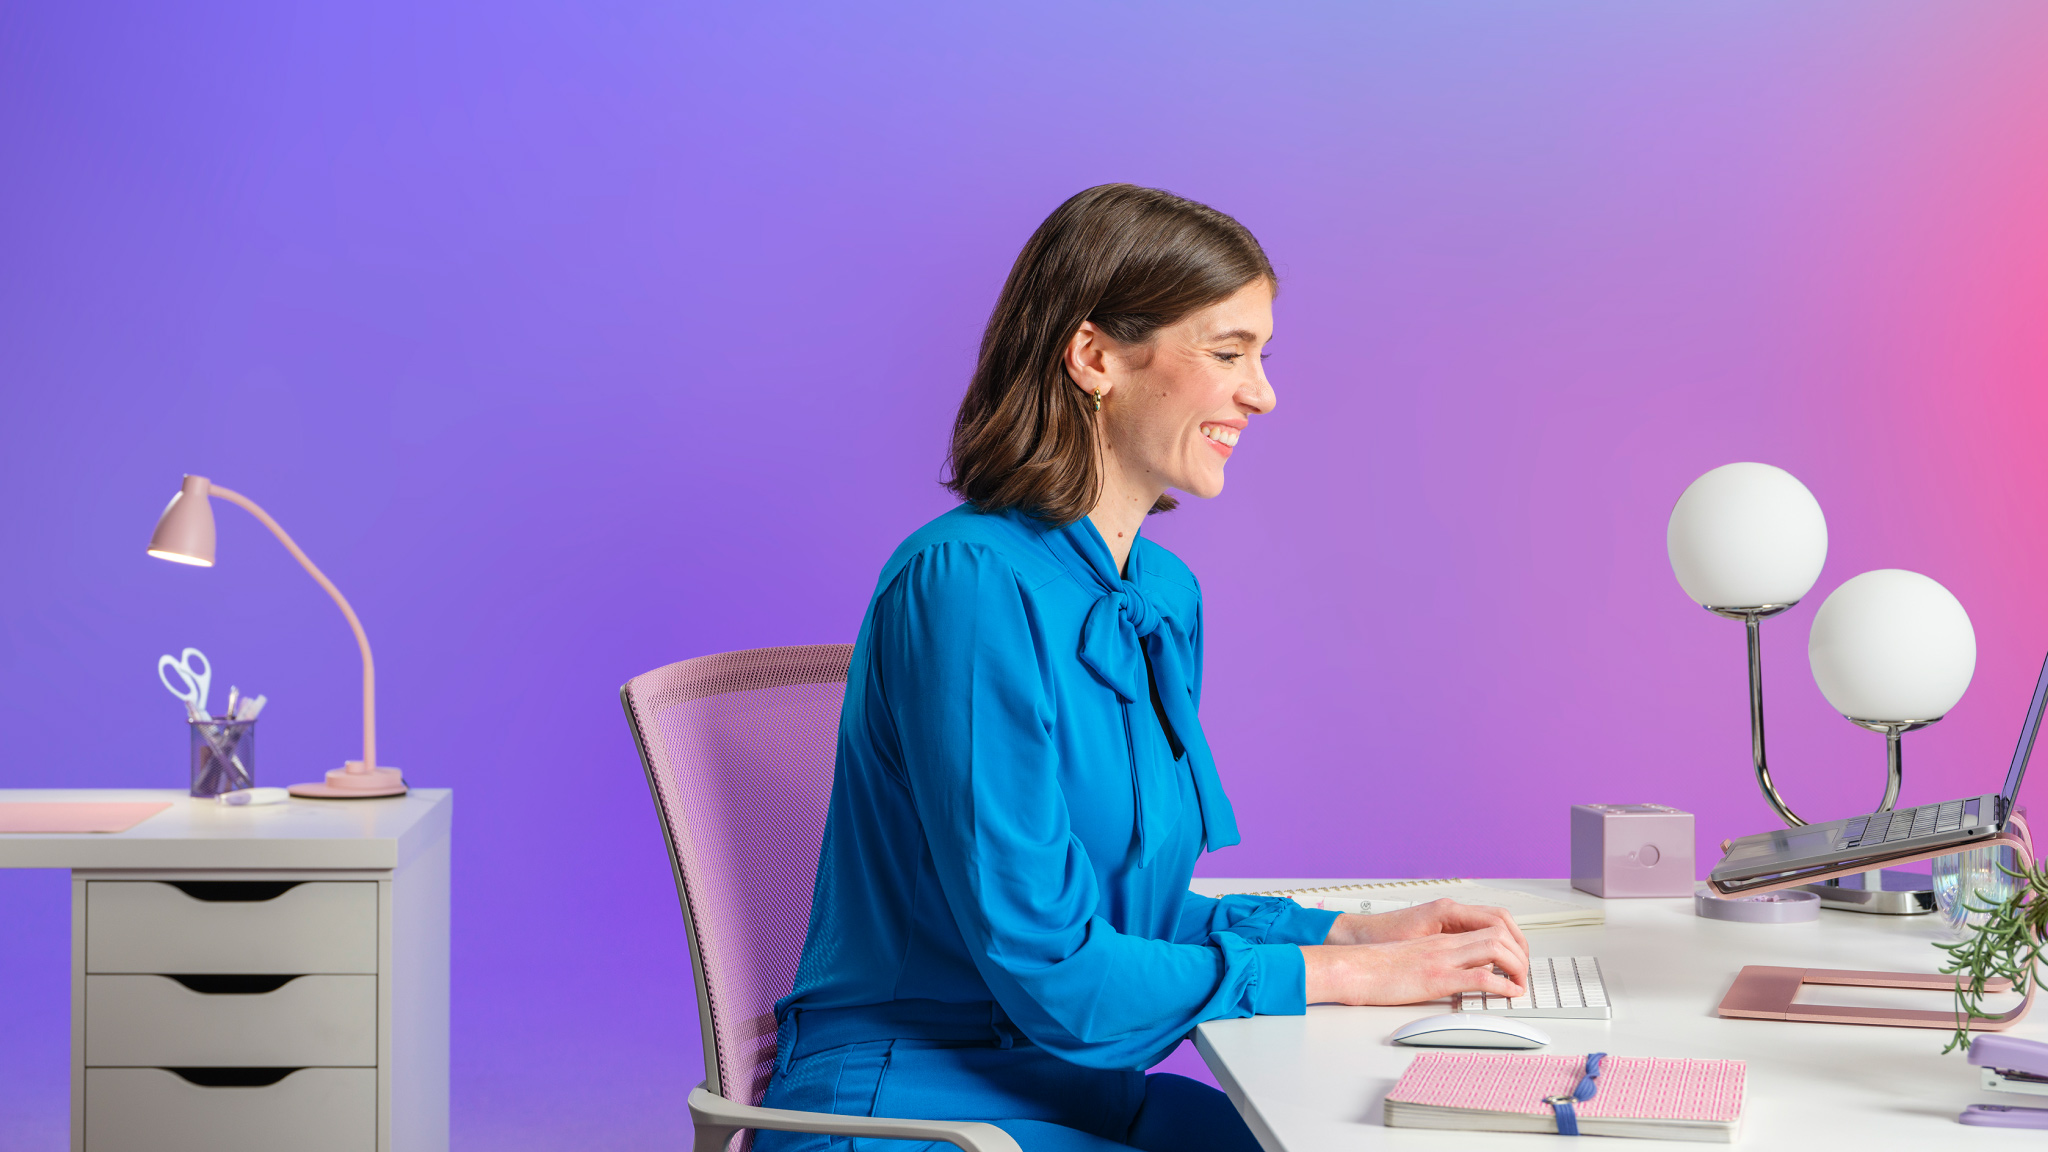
column 352, row 783
column 1896, row 892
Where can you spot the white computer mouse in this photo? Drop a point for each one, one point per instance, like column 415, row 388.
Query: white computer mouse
column 1470, row 1030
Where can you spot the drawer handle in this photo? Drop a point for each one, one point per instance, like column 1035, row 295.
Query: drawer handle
column 233, row 1077
column 234, row 985
column 241, row 891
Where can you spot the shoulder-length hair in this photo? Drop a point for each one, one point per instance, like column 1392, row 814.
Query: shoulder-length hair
column 1132, row 260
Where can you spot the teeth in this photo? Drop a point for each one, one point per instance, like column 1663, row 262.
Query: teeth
column 1220, row 434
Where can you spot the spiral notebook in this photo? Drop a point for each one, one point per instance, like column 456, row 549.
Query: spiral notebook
column 1529, row 911
column 1644, row 1096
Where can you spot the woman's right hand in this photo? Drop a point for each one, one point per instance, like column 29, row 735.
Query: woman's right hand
column 1412, row 971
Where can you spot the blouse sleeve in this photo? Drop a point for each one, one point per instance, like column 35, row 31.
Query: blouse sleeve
column 967, row 695
column 1259, row 919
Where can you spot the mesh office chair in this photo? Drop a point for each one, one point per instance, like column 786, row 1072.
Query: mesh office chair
column 738, row 748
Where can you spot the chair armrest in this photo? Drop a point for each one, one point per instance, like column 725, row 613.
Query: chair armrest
column 717, row 1118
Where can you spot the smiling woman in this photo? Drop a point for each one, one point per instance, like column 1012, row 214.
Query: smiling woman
column 1121, row 285
column 1002, row 928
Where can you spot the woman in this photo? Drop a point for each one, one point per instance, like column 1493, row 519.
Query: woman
column 1002, row 928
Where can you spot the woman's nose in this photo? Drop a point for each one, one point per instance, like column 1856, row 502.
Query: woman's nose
column 1258, row 394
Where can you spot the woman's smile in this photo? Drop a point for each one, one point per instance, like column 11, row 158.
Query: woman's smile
column 1221, row 437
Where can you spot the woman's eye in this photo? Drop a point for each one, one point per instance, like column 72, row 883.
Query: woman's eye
column 1228, row 357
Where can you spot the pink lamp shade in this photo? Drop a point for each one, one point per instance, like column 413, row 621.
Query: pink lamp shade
column 184, row 533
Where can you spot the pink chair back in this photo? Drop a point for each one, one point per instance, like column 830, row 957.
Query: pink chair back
column 739, row 748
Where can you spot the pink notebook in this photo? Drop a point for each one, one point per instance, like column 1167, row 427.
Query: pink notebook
column 91, row 816
column 1647, row 1096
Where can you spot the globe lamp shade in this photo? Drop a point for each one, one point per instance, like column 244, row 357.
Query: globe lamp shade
column 1894, row 646
column 1747, row 535
column 184, row 533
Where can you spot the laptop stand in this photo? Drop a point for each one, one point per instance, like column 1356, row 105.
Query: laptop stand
column 1763, row 992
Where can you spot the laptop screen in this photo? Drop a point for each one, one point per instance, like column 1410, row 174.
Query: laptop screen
column 2027, row 732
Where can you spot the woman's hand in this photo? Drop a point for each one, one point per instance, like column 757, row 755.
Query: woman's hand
column 1411, row 971
column 1421, row 953
column 1422, row 920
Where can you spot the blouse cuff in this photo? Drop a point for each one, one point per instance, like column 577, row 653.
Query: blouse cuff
column 1279, row 980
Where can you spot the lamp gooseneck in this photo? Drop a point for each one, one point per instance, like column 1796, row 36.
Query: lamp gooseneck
column 369, row 761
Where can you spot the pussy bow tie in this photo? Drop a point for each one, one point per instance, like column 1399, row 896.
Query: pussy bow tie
column 1122, row 629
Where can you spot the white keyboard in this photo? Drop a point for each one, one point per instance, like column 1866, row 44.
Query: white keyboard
column 1560, row 988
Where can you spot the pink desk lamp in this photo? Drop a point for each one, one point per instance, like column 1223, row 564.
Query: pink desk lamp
column 184, row 535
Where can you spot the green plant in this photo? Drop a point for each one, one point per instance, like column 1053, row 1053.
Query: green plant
column 2007, row 944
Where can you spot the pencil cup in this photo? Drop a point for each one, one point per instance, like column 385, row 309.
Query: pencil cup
column 223, row 756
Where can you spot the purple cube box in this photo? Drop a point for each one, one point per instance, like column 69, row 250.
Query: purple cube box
column 1621, row 850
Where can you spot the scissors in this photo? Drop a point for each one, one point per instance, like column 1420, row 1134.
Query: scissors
column 195, row 671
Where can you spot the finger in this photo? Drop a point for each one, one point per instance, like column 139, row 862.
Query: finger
column 1486, row 915
column 1514, row 963
column 1507, row 920
column 1492, row 950
column 1498, row 985
column 1515, row 928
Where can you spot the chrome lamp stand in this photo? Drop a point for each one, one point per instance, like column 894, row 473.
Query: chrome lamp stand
column 1884, row 891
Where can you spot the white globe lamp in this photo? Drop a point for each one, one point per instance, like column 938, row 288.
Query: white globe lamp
column 1892, row 651
column 1747, row 541
column 1745, row 537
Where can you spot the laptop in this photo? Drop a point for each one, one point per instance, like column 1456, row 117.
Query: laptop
column 1774, row 857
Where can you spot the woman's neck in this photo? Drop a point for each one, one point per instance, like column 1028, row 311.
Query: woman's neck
column 1121, row 510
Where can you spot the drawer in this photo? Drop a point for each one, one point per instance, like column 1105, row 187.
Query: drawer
column 148, row 926
column 153, row 1110
column 312, row 1020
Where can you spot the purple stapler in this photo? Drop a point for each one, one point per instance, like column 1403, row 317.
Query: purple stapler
column 2010, row 1065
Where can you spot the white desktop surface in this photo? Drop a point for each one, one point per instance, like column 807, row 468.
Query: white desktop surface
column 1314, row 1083
column 376, row 833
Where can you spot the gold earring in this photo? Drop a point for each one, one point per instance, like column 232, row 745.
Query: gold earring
column 1098, row 399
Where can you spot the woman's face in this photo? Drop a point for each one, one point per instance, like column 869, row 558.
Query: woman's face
column 1175, row 406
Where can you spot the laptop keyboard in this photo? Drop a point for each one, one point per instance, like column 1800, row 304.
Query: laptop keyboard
column 1560, row 988
column 1905, row 823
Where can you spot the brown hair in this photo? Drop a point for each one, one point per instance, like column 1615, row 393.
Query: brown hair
column 1132, row 260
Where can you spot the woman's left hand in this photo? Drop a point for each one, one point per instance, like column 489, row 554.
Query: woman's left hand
column 1429, row 919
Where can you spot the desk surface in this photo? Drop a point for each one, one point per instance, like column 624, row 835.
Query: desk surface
column 343, row 834
column 1315, row 1082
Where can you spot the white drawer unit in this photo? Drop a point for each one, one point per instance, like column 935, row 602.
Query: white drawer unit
column 267, row 979
column 231, row 1021
column 155, row 1110
column 218, row 927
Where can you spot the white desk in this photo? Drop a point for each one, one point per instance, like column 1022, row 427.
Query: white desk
column 328, row 977
column 1314, row 1083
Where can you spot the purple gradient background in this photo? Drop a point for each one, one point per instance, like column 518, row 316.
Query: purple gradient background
column 577, row 339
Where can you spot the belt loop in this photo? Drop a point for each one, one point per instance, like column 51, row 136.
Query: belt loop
column 999, row 1024
column 785, row 1041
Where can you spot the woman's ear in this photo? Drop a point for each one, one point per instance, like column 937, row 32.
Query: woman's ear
column 1088, row 359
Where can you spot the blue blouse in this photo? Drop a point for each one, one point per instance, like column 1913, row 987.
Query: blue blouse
column 1016, row 811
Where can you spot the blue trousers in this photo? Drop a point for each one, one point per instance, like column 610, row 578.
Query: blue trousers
column 1042, row 1101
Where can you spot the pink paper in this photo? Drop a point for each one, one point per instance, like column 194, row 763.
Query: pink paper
column 96, row 816
column 1634, row 1087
